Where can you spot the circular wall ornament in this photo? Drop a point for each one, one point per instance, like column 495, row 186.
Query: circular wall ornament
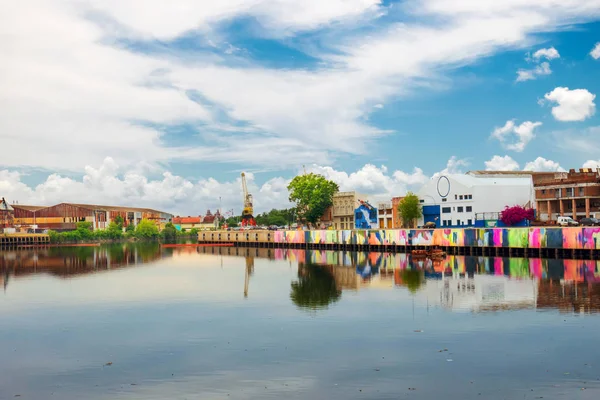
column 443, row 186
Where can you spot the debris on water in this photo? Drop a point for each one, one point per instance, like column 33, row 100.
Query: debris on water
column 17, row 395
column 412, row 388
column 134, row 384
column 377, row 369
column 449, row 360
column 108, row 364
column 418, row 330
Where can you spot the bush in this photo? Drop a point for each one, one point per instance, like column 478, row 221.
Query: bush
column 169, row 233
column 513, row 215
column 193, row 232
column 146, row 230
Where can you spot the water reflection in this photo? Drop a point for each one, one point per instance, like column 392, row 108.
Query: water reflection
column 316, row 286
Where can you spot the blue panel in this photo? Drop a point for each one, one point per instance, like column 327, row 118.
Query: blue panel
column 431, row 210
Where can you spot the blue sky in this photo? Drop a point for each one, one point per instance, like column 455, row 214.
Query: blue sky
column 165, row 105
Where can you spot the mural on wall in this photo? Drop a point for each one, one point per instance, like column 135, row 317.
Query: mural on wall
column 533, row 237
column 365, row 216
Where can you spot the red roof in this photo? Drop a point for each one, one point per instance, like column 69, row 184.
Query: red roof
column 187, row 220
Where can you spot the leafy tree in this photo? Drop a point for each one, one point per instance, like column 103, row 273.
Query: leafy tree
column 312, row 194
column 409, row 209
column 130, row 228
column 119, row 221
column 169, row 233
column 513, row 215
column 146, row 230
column 315, row 287
column 194, row 232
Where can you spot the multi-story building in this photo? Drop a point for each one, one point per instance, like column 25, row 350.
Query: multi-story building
column 396, row 217
column 455, row 200
column 65, row 216
column 385, row 215
column 344, row 204
column 574, row 193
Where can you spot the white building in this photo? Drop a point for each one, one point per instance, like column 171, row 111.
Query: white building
column 458, row 200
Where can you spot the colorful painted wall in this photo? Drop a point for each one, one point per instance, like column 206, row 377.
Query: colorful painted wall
column 534, row 237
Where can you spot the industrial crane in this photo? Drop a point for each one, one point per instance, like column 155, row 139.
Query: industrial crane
column 247, row 217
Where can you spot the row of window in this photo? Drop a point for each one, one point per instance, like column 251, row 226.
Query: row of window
column 447, row 210
column 448, row 222
column 570, row 191
column 463, row 197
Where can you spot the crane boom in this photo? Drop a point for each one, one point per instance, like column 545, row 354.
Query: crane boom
column 248, row 210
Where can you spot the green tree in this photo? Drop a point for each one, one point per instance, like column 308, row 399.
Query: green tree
column 146, row 230
column 312, row 194
column 119, row 221
column 169, row 233
column 409, row 209
column 315, row 287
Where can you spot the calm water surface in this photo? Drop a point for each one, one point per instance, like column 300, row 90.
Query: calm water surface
column 141, row 322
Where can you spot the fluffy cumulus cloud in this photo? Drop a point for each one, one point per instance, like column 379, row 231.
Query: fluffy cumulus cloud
column 543, row 165
column 74, row 90
column 515, row 137
column 550, row 54
column 499, row 163
column 595, row 53
column 572, row 105
column 594, row 164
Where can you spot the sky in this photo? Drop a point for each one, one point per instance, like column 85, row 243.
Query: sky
column 163, row 104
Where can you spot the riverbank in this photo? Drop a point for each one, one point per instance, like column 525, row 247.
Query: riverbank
column 569, row 242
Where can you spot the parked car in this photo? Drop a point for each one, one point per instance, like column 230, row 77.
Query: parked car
column 589, row 222
column 566, row 221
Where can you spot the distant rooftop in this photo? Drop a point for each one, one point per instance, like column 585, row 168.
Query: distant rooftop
column 90, row 207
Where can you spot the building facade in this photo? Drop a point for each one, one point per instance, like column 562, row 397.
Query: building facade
column 396, row 218
column 385, row 215
column 574, row 193
column 344, row 204
column 455, row 200
column 65, row 216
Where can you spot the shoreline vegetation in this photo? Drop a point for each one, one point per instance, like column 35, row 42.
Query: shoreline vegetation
column 145, row 231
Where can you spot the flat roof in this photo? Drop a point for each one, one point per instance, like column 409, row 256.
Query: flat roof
column 92, row 207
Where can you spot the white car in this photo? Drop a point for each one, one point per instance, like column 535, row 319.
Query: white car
column 566, row 221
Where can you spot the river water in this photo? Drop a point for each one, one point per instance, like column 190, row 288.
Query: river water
column 145, row 322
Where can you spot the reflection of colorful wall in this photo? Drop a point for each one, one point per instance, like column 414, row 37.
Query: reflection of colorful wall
column 534, row 237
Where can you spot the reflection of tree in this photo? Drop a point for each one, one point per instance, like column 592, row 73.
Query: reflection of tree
column 315, row 287
column 412, row 279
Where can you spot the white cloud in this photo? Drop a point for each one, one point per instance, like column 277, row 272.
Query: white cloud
column 114, row 185
column 541, row 164
column 595, row 53
column 73, row 93
column 550, row 53
column 498, row 163
column 531, row 74
column 573, row 105
column 594, row 164
column 522, row 134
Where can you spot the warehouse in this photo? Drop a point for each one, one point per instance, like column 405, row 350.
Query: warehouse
column 65, row 216
column 455, row 200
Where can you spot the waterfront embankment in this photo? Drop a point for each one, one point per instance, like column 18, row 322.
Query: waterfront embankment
column 554, row 242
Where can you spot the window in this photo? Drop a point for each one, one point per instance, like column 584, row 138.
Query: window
column 444, row 199
column 460, row 197
column 469, row 209
column 469, row 197
column 444, row 223
column 455, row 197
column 469, row 222
column 459, row 209
column 570, row 192
column 446, row 210
column 421, row 201
column 458, row 222
column 543, row 191
column 581, row 191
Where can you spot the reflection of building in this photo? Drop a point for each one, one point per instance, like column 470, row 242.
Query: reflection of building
column 344, row 204
column 385, row 215
column 481, row 293
column 568, row 297
column 455, row 200
column 65, row 216
column 572, row 193
column 73, row 261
